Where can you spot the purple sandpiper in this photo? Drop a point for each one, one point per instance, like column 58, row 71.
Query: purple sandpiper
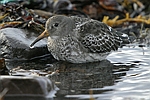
column 79, row 40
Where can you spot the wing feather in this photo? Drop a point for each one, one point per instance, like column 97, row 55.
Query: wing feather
column 98, row 37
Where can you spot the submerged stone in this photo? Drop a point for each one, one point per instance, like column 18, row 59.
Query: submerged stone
column 27, row 86
column 14, row 44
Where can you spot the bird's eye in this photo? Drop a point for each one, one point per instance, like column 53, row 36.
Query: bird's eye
column 56, row 25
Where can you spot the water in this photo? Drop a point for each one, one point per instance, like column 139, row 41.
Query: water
column 135, row 84
column 125, row 75
column 127, row 79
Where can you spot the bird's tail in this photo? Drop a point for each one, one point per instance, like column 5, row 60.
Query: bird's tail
column 125, row 38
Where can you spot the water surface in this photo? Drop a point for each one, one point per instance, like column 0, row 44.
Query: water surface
column 125, row 75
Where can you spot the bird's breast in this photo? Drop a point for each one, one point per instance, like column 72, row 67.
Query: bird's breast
column 68, row 49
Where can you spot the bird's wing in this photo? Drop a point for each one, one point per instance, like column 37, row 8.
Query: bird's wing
column 98, row 37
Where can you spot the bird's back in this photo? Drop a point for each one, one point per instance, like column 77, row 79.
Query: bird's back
column 96, row 36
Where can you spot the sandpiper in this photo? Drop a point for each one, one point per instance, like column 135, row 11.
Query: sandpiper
column 79, row 40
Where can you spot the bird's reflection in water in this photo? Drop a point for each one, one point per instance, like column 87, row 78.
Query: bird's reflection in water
column 79, row 78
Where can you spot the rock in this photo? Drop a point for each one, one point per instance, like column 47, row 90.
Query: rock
column 14, row 44
column 27, row 86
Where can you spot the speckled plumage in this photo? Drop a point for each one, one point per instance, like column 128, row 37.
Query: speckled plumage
column 79, row 40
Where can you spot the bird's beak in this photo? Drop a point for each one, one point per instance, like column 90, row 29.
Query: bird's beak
column 43, row 35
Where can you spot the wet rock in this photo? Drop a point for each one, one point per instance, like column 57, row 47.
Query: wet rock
column 23, row 86
column 14, row 44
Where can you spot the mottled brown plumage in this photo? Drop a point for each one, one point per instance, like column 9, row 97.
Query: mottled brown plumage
column 79, row 40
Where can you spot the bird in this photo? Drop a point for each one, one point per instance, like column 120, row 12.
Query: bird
column 79, row 40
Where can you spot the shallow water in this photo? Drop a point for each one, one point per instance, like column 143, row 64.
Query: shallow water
column 125, row 75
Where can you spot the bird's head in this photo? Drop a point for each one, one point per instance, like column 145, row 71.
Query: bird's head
column 56, row 27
